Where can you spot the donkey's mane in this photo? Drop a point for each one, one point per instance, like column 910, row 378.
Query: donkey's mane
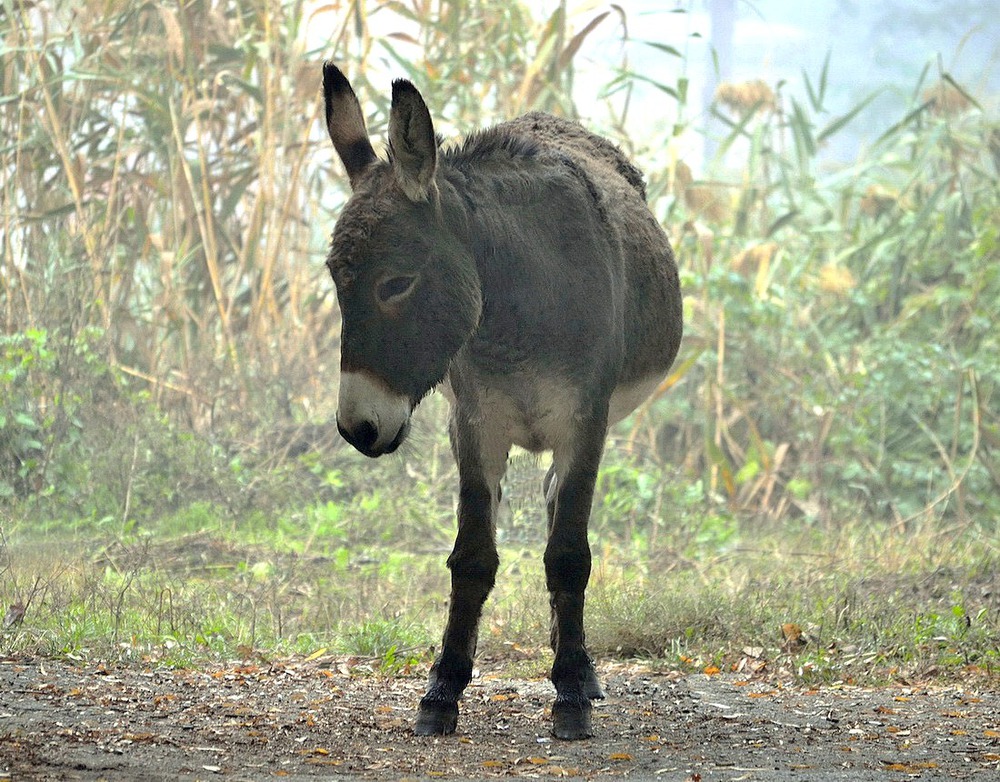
column 535, row 133
column 494, row 144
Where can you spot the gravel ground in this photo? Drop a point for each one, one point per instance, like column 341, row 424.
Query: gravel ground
column 334, row 719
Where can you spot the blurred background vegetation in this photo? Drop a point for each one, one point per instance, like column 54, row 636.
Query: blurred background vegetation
column 169, row 346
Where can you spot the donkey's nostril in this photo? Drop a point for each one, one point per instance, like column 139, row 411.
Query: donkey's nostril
column 362, row 436
column 366, row 435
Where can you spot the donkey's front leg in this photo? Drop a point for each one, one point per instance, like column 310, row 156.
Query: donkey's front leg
column 567, row 570
column 473, row 563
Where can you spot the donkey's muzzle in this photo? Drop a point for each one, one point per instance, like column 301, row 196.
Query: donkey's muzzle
column 366, row 438
column 371, row 417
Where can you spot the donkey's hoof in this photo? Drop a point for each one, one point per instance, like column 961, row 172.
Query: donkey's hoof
column 436, row 718
column 571, row 718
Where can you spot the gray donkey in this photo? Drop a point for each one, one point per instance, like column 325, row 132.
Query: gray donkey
column 522, row 272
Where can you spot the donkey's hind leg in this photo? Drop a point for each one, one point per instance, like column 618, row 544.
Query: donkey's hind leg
column 567, row 571
column 591, row 684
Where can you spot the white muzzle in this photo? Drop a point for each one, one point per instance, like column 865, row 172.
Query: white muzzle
column 370, row 416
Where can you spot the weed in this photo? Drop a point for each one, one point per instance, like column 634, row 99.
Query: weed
column 392, row 643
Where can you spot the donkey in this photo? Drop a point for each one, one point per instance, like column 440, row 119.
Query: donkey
column 522, row 272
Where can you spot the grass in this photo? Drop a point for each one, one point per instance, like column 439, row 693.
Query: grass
column 865, row 605
column 874, row 608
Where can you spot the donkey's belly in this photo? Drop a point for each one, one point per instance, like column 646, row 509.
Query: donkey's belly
column 628, row 396
column 540, row 414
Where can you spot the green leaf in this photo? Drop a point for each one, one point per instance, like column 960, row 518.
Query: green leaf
column 781, row 222
column 25, row 420
column 838, row 123
column 659, row 85
column 802, row 131
column 662, row 47
column 907, row 120
column 817, row 95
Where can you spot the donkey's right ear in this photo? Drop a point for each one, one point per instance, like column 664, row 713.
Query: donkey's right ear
column 346, row 123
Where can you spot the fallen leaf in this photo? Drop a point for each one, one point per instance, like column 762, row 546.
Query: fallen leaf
column 793, row 635
column 911, row 768
column 619, row 756
column 710, row 670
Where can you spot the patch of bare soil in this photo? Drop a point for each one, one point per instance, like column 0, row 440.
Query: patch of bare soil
column 330, row 719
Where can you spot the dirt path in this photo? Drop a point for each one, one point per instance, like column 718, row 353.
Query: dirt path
column 325, row 719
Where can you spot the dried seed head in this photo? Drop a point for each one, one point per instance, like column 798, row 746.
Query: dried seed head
column 878, row 201
column 946, row 99
column 742, row 96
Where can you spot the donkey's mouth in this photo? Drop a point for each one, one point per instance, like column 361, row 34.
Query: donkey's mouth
column 372, row 417
column 365, row 438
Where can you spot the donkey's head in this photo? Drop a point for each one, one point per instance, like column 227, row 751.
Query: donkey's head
column 406, row 282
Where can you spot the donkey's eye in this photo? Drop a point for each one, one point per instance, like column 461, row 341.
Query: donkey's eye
column 395, row 288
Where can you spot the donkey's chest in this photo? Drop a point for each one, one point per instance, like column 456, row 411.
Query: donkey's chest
column 534, row 413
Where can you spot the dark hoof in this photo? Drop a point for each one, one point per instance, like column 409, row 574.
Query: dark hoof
column 571, row 718
column 436, row 718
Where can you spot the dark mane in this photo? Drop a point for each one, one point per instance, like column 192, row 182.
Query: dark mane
column 495, row 144
column 529, row 135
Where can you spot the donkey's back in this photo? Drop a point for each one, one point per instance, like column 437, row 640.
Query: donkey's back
column 640, row 299
column 573, row 138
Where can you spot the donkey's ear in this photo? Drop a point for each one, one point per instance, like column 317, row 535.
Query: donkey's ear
column 412, row 141
column 345, row 123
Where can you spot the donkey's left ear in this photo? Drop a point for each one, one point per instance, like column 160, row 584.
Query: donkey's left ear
column 412, row 142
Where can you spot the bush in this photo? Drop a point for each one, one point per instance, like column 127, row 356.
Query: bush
column 840, row 325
